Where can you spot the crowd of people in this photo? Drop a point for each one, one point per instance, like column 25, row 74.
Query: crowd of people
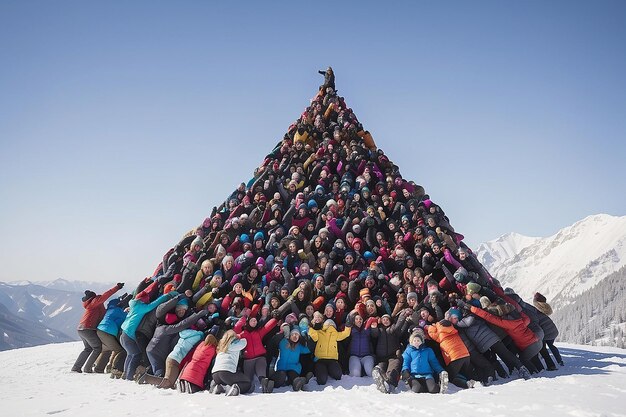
column 327, row 263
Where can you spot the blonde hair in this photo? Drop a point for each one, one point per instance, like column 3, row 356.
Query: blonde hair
column 226, row 340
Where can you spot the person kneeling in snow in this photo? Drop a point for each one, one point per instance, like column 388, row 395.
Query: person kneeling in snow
column 420, row 365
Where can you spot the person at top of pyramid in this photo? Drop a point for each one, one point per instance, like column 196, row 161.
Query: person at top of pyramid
column 329, row 79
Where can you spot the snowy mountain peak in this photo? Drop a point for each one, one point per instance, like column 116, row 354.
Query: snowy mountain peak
column 560, row 266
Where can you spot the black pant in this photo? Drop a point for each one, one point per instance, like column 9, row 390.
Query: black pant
column 508, row 357
column 282, row 377
column 229, row 378
column 554, row 350
column 483, row 368
column 423, row 385
column 325, row 368
column 458, row 370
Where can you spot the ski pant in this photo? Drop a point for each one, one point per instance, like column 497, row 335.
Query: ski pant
column 133, row 355
column 508, row 357
column 423, row 385
column 325, row 368
column 484, row 369
column 112, row 353
column 458, row 370
column 92, row 349
column 390, row 369
column 527, row 355
column 282, row 377
column 230, row 378
column 554, row 350
column 256, row 366
column 357, row 365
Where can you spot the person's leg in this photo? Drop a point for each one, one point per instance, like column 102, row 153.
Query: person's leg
column 393, row 371
column 96, row 345
column 82, row 356
column 248, row 368
column 454, row 371
column 511, row 361
column 550, row 365
column 229, row 378
column 368, row 364
column 432, row 386
column 279, row 378
column 334, row 370
column 105, row 355
column 321, row 372
column 260, row 367
column 291, row 376
column 483, row 367
column 354, row 364
column 555, row 351
column 132, row 356
column 416, row 385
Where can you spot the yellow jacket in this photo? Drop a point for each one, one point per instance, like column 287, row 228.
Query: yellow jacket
column 327, row 338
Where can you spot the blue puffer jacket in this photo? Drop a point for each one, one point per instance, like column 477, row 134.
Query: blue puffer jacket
column 187, row 340
column 227, row 361
column 113, row 318
column 421, row 362
column 361, row 343
column 138, row 310
column 289, row 359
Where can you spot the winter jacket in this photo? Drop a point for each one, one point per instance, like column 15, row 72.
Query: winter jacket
column 288, row 358
column 518, row 329
column 137, row 311
column 478, row 332
column 421, row 362
column 94, row 310
column 361, row 343
column 254, row 338
column 113, row 318
column 188, row 339
column 227, row 361
column 327, row 338
column 196, row 370
column 451, row 344
column 165, row 338
column 549, row 328
column 388, row 339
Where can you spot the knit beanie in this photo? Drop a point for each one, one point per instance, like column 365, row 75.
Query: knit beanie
column 412, row 295
column 473, row 288
column 485, row 301
column 539, row 297
column 88, row 295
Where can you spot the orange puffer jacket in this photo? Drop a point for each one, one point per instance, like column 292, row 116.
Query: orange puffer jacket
column 451, row 344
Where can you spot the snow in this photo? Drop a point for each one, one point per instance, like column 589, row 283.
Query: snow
column 43, row 300
column 36, row 382
column 60, row 310
column 561, row 266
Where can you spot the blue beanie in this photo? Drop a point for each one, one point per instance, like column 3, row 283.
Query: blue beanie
column 244, row 238
column 184, row 302
column 311, row 204
column 455, row 312
column 259, row 236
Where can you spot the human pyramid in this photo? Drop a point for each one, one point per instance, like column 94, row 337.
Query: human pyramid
column 327, row 263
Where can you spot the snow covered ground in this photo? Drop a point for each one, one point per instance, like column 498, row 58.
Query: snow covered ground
column 36, row 382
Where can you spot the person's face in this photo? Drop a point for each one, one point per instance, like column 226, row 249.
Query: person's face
column 304, row 269
column 319, row 282
column 436, row 250
column 294, row 337
column 228, row 264
column 349, row 259
column 180, row 311
column 416, row 342
column 358, row 321
column 462, row 256
column 357, row 246
column 328, row 312
column 275, row 303
column 412, row 302
column 301, row 295
column 211, row 308
column 341, row 304
column 258, row 244
column 207, row 268
column 292, row 247
column 418, row 252
column 454, row 319
column 253, row 322
column 343, row 286
column 371, row 309
column 431, row 222
column 238, row 289
column 386, row 322
column 309, row 310
column 284, row 293
column 253, row 273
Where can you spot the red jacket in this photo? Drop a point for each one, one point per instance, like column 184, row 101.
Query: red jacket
column 197, row 368
column 451, row 344
column 254, row 348
column 94, row 310
column 518, row 329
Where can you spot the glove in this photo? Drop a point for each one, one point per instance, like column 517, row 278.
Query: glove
column 462, row 304
column 275, row 314
column 214, row 316
column 286, row 330
column 406, row 375
column 205, row 313
column 120, row 285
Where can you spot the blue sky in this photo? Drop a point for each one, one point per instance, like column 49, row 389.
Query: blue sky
column 123, row 123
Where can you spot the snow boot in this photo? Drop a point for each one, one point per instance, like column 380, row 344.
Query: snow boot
column 270, row 386
column 216, row 388
column 298, row 383
column 471, row 383
column 381, row 384
column 443, row 382
column 524, row 373
column 232, row 391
